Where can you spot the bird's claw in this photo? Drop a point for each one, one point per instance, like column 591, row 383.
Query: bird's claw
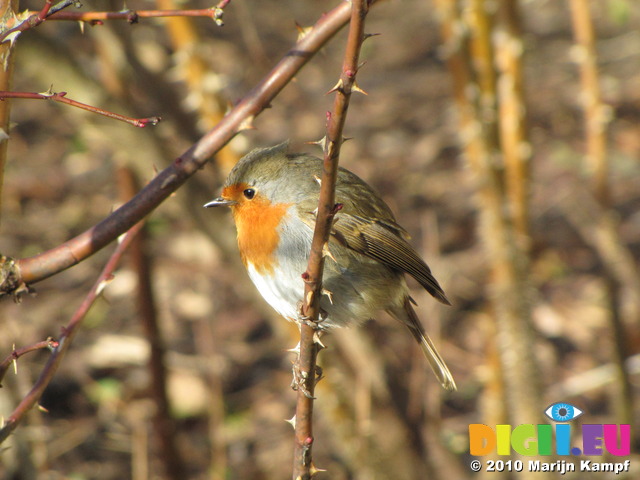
column 315, row 324
column 300, row 377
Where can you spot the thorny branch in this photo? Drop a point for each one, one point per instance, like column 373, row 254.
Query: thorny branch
column 62, row 98
column 132, row 16
column 33, row 269
column 303, row 467
column 66, row 338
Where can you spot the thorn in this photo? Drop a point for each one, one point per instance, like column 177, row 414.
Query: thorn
column 309, row 297
column 346, row 139
column 327, row 253
column 103, row 284
column 42, row 409
column 328, row 294
column 313, row 470
column 15, row 361
column 247, row 124
column 336, row 208
column 317, row 341
column 292, row 421
column 356, row 88
column 302, row 31
column 369, row 35
column 295, row 349
column 315, row 212
column 319, row 182
column 321, row 143
column 337, row 87
column 81, row 27
column 48, row 93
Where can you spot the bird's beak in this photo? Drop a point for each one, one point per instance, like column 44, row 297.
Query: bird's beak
column 220, row 202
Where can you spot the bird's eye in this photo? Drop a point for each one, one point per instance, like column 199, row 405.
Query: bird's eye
column 249, row 193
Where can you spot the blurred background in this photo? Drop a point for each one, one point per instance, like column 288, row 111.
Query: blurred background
column 505, row 136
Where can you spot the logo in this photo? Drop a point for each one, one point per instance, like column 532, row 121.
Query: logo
column 561, row 439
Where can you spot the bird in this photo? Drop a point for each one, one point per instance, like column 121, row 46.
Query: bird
column 273, row 195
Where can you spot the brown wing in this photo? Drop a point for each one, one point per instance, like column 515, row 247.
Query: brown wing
column 366, row 225
column 379, row 240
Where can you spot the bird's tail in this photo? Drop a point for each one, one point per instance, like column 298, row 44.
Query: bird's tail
column 409, row 317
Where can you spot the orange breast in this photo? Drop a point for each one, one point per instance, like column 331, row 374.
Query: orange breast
column 257, row 222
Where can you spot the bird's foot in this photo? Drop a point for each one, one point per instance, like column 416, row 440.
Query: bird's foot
column 315, row 324
column 300, row 378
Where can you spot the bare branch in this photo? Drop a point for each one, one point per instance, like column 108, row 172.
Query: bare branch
column 62, row 98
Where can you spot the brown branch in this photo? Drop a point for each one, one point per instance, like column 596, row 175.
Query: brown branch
column 66, row 338
column 18, row 352
column 39, row 267
column 303, row 467
column 62, row 98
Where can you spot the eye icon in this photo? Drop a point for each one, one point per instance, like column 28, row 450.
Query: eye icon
column 562, row 412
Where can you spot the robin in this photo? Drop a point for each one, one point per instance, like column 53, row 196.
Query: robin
column 273, row 195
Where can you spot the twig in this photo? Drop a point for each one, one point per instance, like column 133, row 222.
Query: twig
column 18, row 352
column 303, row 467
column 132, row 16
column 62, row 98
column 39, row 267
column 66, row 338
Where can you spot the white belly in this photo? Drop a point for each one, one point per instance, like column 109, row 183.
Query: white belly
column 278, row 292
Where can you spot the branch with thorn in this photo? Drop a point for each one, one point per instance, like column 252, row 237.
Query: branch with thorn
column 306, row 373
column 64, row 342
